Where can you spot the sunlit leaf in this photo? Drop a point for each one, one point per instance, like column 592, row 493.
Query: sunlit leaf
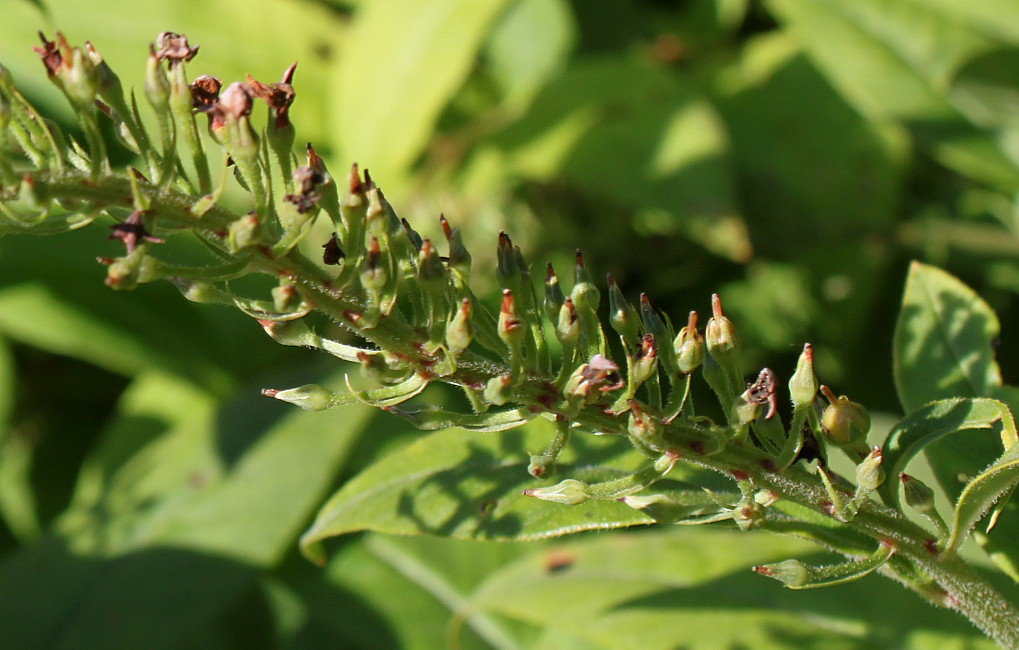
column 693, row 588
column 894, row 59
column 401, row 62
column 982, row 492
column 465, row 485
column 934, row 421
column 943, row 340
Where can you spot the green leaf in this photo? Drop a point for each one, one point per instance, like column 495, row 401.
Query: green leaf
column 528, row 45
column 17, row 501
column 640, row 138
column 942, row 346
column 468, row 486
column 693, row 588
column 934, row 421
column 401, row 62
column 32, row 314
column 894, row 60
column 434, row 579
column 155, row 598
column 981, row 493
column 177, row 468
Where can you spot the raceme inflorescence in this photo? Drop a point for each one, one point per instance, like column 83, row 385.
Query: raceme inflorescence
column 547, row 352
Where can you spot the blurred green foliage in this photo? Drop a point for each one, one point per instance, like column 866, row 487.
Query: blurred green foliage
column 791, row 155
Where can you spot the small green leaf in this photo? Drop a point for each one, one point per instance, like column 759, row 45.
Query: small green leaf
column 933, row 422
column 981, row 493
column 459, row 484
column 943, row 337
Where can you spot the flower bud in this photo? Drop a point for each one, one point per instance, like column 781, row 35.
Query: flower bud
column 918, row 494
column 430, row 268
column 506, row 264
column 80, row 79
column 569, row 492
column 720, row 336
column 459, row 258
column 748, row 514
column 568, row 324
column 458, row 331
column 553, row 295
column 374, row 276
column 869, row 474
column 846, row 423
column 689, row 346
column 244, row 232
column 498, row 389
column 645, row 427
column 584, row 294
column 310, row 397
column 622, row 317
column 511, row 329
column 803, row 383
column 791, row 573
column 645, row 363
column 157, row 86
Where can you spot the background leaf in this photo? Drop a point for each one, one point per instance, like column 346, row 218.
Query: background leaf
column 694, row 588
column 943, row 340
column 389, row 91
column 943, row 347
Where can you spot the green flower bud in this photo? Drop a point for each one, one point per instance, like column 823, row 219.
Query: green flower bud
column 430, row 268
column 553, row 295
column 869, row 474
column 506, row 268
column 720, row 336
column 918, row 494
column 791, row 573
column 645, row 427
column 310, row 397
column 748, row 514
column 622, row 317
column 374, row 276
column 498, row 389
column 290, row 332
column 80, row 80
column 803, row 383
column 744, row 412
column 458, row 331
column 846, row 423
column 459, row 259
column 568, row 324
column 511, row 328
column 689, row 346
column 569, row 492
column 645, row 363
column 243, row 233
column 584, row 294
column 157, row 85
